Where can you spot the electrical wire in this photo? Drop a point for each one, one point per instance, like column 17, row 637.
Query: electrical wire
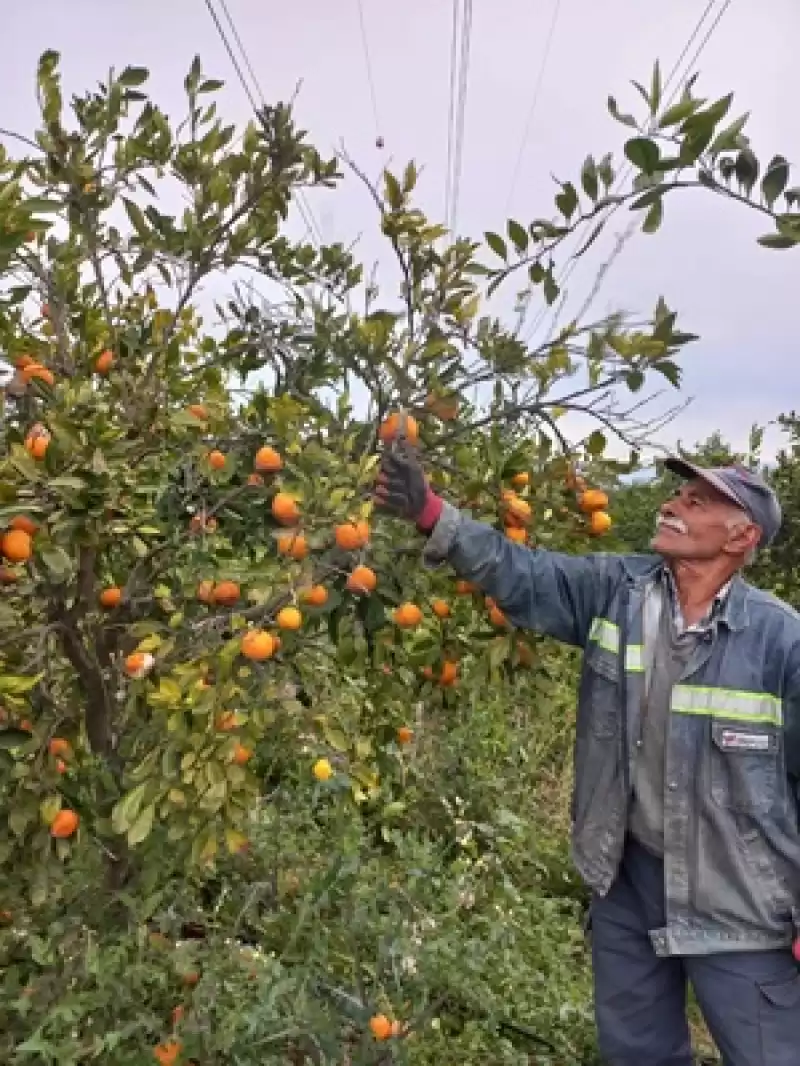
column 451, row 117
column 368, row 63
column 466, row 36
column 537, row 90
column 623, row 176
column 312, row 227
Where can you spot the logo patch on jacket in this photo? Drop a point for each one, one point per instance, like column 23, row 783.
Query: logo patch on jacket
column 733, row 740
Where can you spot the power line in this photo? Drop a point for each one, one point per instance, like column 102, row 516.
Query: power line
column 466, row 36
column 537, row 89
column 573, row 262
column 368, row 62
column 451, row 117
column 303, row 206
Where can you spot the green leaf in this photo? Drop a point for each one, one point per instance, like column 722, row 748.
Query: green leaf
column 626, row 120
column 746, row 170
column 634, row 380
column 728, row 140
column 648, row 198
column 589, row 180
column 518, row 235
column 654, row 217
column 57, row 562
column 671, row 371
column 136, row 217
column 13, row 738
column 777, row 241
column 497, row 244
column 15, row 685
column 596, row 444
column 550, row 288
column 133, row 76
column 141, row 828
column 211, row 85
column 567, row 200
column 126, row 811
column 678, row 113
column 775, row 179
column 655, row 89
column 643, row 153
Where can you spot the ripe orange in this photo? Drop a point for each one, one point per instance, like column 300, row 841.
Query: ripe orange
column 64, row 824
column 58, row 746
column 393, row 427
column 41, row 373
column 516, row 533
column 268, row 460
column 441, row 608
column 216, row 460
column 316, row 596
column 138, row 664
column 465, row 588
column 226, row 594
column 285, row 508
column 167, row 1054
column 496, row 616
column 241, row 754
column 16, row 545
column 449, row 672
column 27, row 525
column 198, row 410
column 258, row 645
column 37, row 446
column 599, row 523
column 408, row 615
column 362, row 579
column 518, row 512
column 111, row 597
column 22, row 361
column 352, row 535
column 519, row 481
column 593, row 500
column 205, row 591
column 381, row 1026
column 255, row 479
column 289, row 618
column 405, row 734
column 294, row 545
column 322, row 770
column 104, row 362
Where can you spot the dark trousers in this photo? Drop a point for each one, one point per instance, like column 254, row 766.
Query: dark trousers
column 750, row 1000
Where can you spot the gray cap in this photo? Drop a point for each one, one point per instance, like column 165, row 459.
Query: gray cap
column 742, row 487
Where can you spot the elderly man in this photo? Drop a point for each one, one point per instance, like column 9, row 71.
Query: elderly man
column 687, row 757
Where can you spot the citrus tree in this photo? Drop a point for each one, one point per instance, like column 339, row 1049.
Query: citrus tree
column 200, row 615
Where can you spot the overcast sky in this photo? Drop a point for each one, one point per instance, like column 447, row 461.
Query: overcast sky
column 704, row 260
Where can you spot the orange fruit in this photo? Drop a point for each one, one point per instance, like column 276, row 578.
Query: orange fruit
column 16, row 545
column 41, row 373
column 593, row 500
column 226, row 594
column 518, row 511
column 198, row 410
column 201, row 524
column 316, row 596
column 255, row 479
column 405, row 734
column 191, row 978
column 465, row 588
column 22, row 361
column 294, row 545
column 380, row 1026
column 138, row 664
column 225, row 722
column 449, row 672
column 64, row 824
column 397, row 1028
column 216, row 460
column 322, row 770
column 352, row 535
column 21, row 521
column 104, row 362
column 496, row 616
column 205, row 591
column 516, row 533
column 111, row 597
column 37, row 446
column 520, row 480
column 268, row 460
column 441, row 608
column 241, row 754
column 408, row 615
column 362, row 579
column 392, row 427
column 167, row 1054
column 444, row 407
column 285, row 508
column 289, row 618
column 599, row 523
column 258, row 645
column 58, row 746
column 61, row 766
column 26, row 725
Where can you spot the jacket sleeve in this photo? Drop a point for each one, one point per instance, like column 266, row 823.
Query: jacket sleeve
column 550, row 592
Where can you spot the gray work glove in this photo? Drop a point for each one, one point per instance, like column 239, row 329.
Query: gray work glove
column 402, row 489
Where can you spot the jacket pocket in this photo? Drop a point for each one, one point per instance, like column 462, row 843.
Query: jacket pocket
column 744, row 766
column 600, row 691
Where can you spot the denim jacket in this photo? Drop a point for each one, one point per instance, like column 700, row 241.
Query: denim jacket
column 732, row 846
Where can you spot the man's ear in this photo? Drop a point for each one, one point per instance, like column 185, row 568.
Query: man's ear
column 744, row 538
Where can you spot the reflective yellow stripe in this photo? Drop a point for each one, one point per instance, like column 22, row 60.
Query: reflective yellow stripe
column 758, row 707
column 606, row 635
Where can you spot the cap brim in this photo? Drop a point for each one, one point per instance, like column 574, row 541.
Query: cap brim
column 688, row 471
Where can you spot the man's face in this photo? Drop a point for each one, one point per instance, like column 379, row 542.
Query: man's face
column 699, row 523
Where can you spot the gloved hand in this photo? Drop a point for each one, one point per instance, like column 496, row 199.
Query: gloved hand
column 402, row 489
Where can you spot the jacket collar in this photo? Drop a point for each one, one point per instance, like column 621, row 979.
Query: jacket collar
column 644, row 569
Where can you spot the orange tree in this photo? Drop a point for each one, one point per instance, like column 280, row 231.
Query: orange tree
column 198, row 610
